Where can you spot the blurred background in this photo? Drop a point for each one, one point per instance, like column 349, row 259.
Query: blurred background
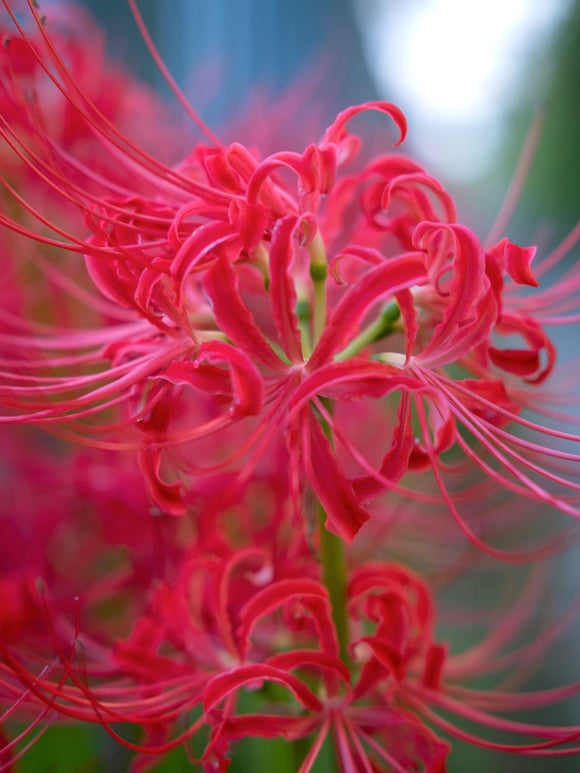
column 470, row 78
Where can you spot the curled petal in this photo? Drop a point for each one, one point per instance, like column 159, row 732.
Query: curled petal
column 396, row 274
column 525, row 362
column 226, row 683
column 344, row 514
column 268, row 726
column 282, row 289
column 234, row 317
column 311, row 659
column 198, row 247
column 316, row 170
column 230, row 168
column 249, row 222
column 310, row 593
column 336, row 132
column 167, row 496
column 471, row 309
column 411, row 185
column 516, row 261
column 352, row 378
column 365, row 254
column 244, row 381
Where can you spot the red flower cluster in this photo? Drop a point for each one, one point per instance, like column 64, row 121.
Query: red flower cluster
column 274, row 341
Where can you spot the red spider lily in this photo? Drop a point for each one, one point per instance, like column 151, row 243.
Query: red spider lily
column 185, row 265
column 157, row 290
column 207, row 265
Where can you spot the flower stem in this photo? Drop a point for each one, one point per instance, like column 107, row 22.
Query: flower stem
column 302, row 311
column 332, row 553
column 381, row 327
column 334, row 570
column 318, row 273
column 334, row 576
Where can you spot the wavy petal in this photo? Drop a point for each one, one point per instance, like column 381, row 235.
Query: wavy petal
column 344, row 514
column 282, row 289
column 233, row 316
column 399, row 273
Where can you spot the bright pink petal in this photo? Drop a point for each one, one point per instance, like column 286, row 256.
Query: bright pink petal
column 282, row 288
column 525, row 361
column 455, row 247
column 336, row 131
column 233, row 316
column 200, row 246
column 268, row 726
column 310, row 659
column 344, row 514
column 351, row 378
column 516, row 261
column 246, row 380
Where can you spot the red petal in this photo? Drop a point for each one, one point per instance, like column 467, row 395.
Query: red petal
column 336, row 131
column 524, row 362
column 246, row 381
column 351, row 378
column 411, row 185
column 391, row 277
column 233, row 316
column 282, row 289
column 467, row 287
column 344, row 514
column 282, row 592
column 224, row 684
column 516, row 261
column 310, row 658
column 268, row 726
column 409, row 315
column 198, row 246
column 167, row 496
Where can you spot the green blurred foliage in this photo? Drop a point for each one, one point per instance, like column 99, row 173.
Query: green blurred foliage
column 552, row 190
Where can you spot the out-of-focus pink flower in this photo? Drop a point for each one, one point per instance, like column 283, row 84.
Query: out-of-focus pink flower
column 243, row 623
column 75, row 522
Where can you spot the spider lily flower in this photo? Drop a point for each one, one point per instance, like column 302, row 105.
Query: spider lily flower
column 227, row 330
column 174, row 260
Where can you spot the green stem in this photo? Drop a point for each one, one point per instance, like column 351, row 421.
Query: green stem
column 318, row 273
column 300, row 749
column 334, row 569
column 334, row 576
column 332, row 552
column 302, row 311
column 262, row 263
column 381, row 327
